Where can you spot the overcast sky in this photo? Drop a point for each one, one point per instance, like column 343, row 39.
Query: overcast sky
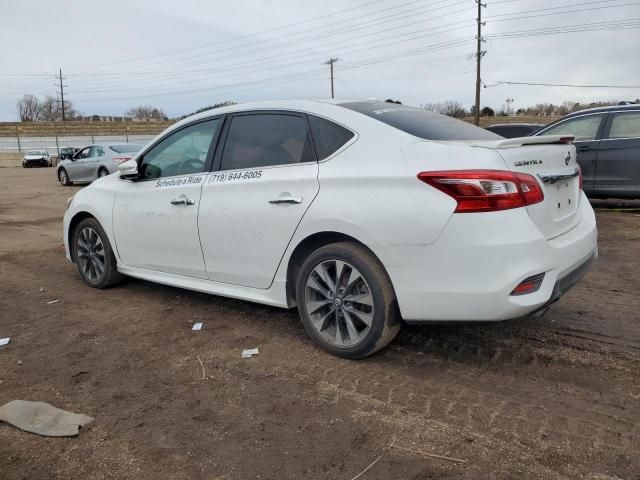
column 186, row 54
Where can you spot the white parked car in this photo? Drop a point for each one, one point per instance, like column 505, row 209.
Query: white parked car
column 36, row 157
column 361, row 214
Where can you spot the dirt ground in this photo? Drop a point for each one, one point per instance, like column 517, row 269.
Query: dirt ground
column 552, row 398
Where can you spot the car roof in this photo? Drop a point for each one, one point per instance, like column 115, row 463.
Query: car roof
column 609, row 108
column 318, row 107
column 517, row 125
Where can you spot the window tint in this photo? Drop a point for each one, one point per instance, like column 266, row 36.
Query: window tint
column 625, row 125
column 182, row 153
column 327, row 136
column 263, row 140
column 583, row 128
column 422, row 124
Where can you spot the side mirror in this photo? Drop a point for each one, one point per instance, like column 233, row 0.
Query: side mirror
column 128, row 170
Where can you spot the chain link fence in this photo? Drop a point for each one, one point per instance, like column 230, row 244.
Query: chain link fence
column 18, row 138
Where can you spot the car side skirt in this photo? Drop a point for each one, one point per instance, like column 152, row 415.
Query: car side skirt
column 274, row 296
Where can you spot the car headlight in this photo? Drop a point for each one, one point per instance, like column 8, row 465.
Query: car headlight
column 69, row 201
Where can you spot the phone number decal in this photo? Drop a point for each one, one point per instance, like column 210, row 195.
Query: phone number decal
column 233, row 176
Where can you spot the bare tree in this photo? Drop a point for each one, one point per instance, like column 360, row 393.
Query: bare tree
column 28, row 108
column 51, row 110
column 452, row 108
column 146, row 112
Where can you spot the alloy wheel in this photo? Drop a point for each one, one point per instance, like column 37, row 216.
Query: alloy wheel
column 63, row 177
column 90, row 254
column 339, row 303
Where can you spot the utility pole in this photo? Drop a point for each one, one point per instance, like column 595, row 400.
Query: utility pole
column 330, row 63
column 479, row 54
column 61, row 92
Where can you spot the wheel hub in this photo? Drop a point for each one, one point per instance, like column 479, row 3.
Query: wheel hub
column 339, row 303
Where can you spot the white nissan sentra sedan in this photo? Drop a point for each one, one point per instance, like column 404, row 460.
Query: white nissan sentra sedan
column 362, row 214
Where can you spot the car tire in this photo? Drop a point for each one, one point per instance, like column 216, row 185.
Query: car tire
column 102, row 172
column 63, row 177
column 346, row 301
column 94, row 256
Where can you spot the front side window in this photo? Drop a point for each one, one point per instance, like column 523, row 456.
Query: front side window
column 182, row 153
column 583, row 128
column 625, row 125
column 84, row 153
column 327, row 136
column 262, row 140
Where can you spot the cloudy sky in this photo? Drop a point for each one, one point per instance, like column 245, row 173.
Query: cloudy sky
column 182, row 55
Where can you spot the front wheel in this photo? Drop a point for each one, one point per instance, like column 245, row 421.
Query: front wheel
column 346, row 301
column 94, row 256
column 63, row 177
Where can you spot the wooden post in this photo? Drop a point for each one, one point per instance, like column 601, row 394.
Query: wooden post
column 18, row 137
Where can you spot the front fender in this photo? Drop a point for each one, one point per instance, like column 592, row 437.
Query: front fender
column 97, row 202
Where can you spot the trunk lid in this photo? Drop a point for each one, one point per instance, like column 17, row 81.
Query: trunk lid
column 552, row 161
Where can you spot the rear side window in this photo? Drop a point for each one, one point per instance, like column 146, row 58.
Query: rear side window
column 264, row 139
column 327, row 136
column 420, row 123
column 625, row 125
column 583, row 128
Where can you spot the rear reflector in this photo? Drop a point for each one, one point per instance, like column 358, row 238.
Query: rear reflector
column 485, row 190
column 529, row 285
column 579, row 176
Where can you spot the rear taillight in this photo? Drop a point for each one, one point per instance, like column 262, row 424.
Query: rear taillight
column 121, row 159
column 485, row 190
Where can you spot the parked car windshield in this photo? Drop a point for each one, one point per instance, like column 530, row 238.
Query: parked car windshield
column 421, row 123
column 126, row 148
column 36, row 152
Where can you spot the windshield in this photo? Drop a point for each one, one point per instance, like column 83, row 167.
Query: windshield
column 420, row 123
column 126, row 148
column 36, row 152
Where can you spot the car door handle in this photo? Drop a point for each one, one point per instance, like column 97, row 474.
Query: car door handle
column 288, row 199
column 585, row 148
column 182, row 200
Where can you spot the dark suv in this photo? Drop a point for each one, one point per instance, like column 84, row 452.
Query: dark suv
column 67, row 153
column 608, row 146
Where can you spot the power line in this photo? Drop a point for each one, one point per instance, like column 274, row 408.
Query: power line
column 496, row 84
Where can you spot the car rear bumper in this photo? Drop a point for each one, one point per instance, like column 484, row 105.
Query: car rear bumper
column 468, row 274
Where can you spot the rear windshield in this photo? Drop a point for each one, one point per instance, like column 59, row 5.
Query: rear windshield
column 126, row 148
column 422, row 124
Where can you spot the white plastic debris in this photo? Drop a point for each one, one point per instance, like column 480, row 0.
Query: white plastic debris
column 51, row 302
column 249, row 352
column 4, row 341
column 197, row 326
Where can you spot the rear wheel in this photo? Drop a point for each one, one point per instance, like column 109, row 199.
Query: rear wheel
column 94, row 256
column 63, row 177
column 346, row 301
column 103, row 172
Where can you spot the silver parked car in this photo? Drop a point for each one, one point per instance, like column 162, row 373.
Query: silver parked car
column 95, row 161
